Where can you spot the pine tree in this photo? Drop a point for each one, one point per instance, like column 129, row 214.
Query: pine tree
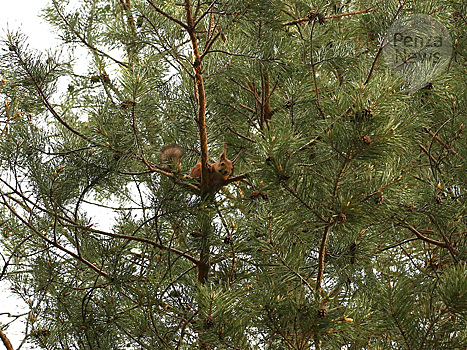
column 343, row 225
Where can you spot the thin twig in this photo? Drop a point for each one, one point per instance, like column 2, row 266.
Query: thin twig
column 71, row 223
column 46, row 102
column 441, row 142
column 51, row 242
column 451, row 249
column 313, row 71
column 419, row 235
column 321, row 256
column 380, row 50
column 307, row 19
column 166, row 15
column 83, row 39
column 300, row 199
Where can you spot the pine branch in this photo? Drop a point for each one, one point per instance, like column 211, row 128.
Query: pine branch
column 64, row 221
column 451, row 249
column 263, row 100
column 307, row 19
column 200, row 96
column 9, row 119
column 12, row 256
column 433, row 160
column 321, row 256
column 43, row 236
column 49, row 106
column 126, row 6
column 380, row 190
column 381, row 47
column 211, row 40
column 6, row 341
column 284, row 263
column 132, row 238
column 88, row 187
column 313, row 71
column 168, row 49
column 138, row 142
column 230, row 236
column 238, row 177
column 300, row 199
column 166, row 15
column 441, row 142
column 398, row 325
column 231, row 129
column 83, row 39
column 398, row 244
column 419, row 235
column 322, row 247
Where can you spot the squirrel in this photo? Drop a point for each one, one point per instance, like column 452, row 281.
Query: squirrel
column 218, row 172
column 171, row 156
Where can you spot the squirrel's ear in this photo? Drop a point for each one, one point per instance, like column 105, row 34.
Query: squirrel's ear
column 224, row 153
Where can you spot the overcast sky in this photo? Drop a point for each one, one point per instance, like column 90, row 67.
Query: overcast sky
column 23, row 15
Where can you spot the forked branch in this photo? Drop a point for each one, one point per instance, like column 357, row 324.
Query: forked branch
column 200, row 95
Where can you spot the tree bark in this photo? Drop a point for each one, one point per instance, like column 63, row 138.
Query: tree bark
column 5, row 341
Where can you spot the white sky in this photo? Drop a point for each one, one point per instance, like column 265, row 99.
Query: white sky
column 23, row 15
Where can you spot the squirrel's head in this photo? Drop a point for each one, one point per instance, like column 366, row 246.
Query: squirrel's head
column 223, row 166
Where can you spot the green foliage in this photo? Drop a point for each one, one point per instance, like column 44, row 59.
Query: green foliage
column 343, row 226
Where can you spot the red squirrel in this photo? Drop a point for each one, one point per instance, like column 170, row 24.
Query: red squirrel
column 171, row 156
column 218, row 172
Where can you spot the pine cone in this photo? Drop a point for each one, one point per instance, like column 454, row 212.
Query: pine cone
column 228, row 239
column 128, row 103
column 366, row 139
column 363, row 115
column 208, row 321
column 256, row 194
column 322, row 312
column 342, row 217
column 284, row 177
column 379, row 199
column 313, row 15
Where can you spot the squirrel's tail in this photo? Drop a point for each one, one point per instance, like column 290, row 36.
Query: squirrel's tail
column 171, row 156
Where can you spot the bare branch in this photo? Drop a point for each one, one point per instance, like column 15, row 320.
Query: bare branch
column 307, row 19
column 5, row 341
column 166, row 15
column 419, row 235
